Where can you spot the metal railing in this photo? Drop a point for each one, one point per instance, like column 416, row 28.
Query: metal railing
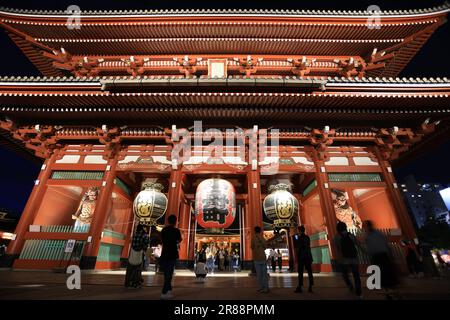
column 48, row 250
column 65, row 229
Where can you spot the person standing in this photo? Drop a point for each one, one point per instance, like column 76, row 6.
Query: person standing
column 221, row 257
column 273, row 259
column 380, row 255
column 157, row 255
column 200, row 267
column 210, row 262
column 139, row 244
column 258, row 246
column 347, row 257
column 280, row 260
column 171, row 237
column 226, row 260
column 304, row 259
column 235, row 260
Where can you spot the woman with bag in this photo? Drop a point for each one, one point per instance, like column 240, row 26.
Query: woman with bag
column 139, row 245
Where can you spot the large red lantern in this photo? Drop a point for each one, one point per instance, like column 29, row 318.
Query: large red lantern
column 215, row 204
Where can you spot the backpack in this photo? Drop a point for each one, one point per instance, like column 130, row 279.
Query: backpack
column 348, row 247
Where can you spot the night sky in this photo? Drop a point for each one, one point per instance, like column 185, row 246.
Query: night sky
column 17, row 174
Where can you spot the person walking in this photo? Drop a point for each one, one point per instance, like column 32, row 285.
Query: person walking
column 171, row 237
column 280, row 260
column 380, row 255
column 139, row 244
column 258, row 246
column 347, row 257
column 304, row 259
column 273, row 259
column 210, row 262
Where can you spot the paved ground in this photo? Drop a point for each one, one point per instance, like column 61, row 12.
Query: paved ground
column 220, row 286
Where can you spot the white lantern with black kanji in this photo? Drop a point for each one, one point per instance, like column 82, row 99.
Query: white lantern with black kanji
column 280, row 205
column 150, row 204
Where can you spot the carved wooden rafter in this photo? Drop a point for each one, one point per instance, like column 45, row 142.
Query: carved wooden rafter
column 321, row 139
column 40, row 139
column 393, row 142
column 111, row 138
column 301, row 67
column 188, row 66
column 248, row 65
column 351, row 68
column 135, row 66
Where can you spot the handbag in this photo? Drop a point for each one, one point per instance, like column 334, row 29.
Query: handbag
column 135, row 257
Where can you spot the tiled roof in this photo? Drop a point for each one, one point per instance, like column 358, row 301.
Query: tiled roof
column 445, row 6
column 330, row 80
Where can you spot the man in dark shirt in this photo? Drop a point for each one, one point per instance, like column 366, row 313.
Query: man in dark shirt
column 304, row 258
column 170, row 237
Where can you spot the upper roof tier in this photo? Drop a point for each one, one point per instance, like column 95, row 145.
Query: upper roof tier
column 330, row 42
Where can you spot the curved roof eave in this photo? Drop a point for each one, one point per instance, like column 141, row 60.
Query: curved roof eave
column 410, row 13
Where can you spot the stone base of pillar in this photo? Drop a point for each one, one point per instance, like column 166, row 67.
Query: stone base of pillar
column 88, row 263
column 7, row 260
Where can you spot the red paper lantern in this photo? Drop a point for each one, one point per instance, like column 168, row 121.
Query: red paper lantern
column 215, row 204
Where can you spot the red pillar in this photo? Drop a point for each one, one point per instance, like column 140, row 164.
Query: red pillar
column 254, row 193
column 184, row 225
column 32, row 207
column 99, row 218
column 253, row 215
column 191, row 235
column 174, row 194
column 128, row 235
column 397, row 201
column 247, row 235
column 326, row 201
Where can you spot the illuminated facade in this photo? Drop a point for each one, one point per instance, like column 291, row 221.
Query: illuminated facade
column 306, row 99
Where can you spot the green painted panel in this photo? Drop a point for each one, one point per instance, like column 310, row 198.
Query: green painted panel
column 77, row 175
column 309, row 188
column 123, row 186
column 321, row 255
column 109, row 252
column 354, row 177
column 113, row 234
column 65, row 228
column 318, row 236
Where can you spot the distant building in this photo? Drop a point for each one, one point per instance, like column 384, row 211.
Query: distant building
column 424, row 200
column 7, row 221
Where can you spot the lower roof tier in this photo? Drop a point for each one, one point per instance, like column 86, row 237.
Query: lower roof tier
column 336, row 101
